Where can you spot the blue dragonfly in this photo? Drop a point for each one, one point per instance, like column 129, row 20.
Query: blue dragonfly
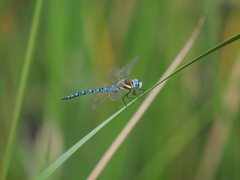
column 114, row 83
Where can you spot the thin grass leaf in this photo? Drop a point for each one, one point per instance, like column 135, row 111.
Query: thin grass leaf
column 230, row 40
column 21, row 90
column 46, row 173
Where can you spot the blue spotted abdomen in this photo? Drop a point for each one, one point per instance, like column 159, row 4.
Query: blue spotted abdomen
column 112, row 88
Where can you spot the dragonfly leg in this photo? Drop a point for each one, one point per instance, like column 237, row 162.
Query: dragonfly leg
column 126, row 95
column 134, row 95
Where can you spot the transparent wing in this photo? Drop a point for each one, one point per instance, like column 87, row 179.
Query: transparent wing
column 115, row 95
column 125, row 71
column 112, row 77
column 100, row 98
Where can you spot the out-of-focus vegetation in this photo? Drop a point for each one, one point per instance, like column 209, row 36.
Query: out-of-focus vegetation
column 77, row 43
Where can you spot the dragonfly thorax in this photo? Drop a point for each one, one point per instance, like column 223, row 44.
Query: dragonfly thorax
column 137, row 84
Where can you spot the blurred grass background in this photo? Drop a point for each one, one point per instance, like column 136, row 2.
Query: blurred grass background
column 77, row 43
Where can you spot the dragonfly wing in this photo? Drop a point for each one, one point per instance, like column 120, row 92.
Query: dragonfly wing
column 112, row 77
column 100, row 98
column 115, row 95
column 125, row 71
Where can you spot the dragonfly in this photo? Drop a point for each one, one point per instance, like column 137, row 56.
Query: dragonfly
column 115, row 83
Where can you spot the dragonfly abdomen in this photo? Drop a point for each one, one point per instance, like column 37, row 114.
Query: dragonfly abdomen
column 112, row 88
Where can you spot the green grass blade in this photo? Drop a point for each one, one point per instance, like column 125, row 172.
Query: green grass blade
column 46, row 173
column 22, row 86
column 230, row 40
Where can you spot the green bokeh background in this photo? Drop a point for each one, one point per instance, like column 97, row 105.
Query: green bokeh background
column 77, row 43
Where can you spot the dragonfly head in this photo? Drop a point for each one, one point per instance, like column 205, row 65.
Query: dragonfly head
column 137, row 84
